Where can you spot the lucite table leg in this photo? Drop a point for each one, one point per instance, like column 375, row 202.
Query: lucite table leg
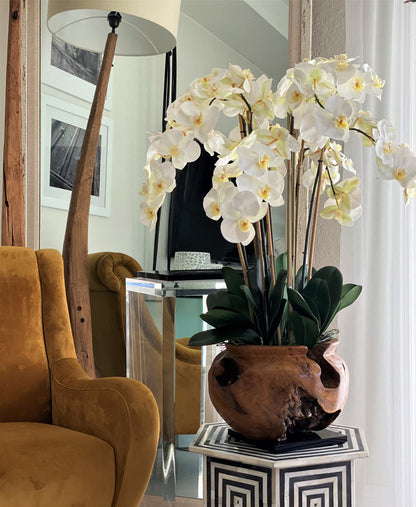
column 168, row 399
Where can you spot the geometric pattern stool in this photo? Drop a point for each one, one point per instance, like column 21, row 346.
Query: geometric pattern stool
column 239, row 474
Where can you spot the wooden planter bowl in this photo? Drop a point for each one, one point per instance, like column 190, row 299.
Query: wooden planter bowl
column 267, row 392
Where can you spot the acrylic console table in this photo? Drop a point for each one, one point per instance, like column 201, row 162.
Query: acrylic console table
column 152, row 301
column 239, row 474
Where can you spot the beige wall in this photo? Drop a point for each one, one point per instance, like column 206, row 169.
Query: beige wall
column 328, row 39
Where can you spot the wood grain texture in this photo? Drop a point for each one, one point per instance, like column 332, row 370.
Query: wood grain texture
column 13, row 221
column 75, row 249
column 267, row 392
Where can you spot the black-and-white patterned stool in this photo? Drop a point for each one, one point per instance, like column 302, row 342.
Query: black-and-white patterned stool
column 239, row 474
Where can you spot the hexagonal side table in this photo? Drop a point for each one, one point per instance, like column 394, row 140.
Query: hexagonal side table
column 239, row 474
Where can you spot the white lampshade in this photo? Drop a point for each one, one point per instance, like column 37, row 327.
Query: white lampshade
column 148, row 27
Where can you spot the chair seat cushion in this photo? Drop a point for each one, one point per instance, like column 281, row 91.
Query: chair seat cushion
column 42, row 465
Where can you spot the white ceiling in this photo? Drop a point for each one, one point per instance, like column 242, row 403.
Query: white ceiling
column 255, row 28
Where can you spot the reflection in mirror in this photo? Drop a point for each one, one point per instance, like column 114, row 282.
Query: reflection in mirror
column 257, row 38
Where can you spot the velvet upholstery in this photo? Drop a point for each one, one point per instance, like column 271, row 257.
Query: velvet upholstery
column 109, row 427
column 107, row 272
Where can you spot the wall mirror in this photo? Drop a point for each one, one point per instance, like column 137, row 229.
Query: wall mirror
column 256, row 39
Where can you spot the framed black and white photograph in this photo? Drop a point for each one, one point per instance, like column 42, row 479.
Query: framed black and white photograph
column 68, row 68
column 63, row 130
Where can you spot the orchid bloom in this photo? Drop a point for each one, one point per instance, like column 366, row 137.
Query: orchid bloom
column 344, row 203
column 239, row 213
column 181, row 148
column 269, row 188
column 384, row 137
column 334, row 120
column 402, row 168
column 256, row 160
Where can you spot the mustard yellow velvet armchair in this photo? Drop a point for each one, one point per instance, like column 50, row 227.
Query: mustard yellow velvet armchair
column 107, row 272
column 66, row 439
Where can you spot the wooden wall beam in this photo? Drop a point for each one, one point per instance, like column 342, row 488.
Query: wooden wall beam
column 13, row 213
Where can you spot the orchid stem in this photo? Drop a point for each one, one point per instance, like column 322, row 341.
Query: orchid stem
column 259, row 236
column 315, row 217
column 243, row 263
column 297, row 190
column 270, row 245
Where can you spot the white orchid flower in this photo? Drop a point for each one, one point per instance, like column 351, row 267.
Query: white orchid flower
column 356, row 87
column 340, row 67
column 239, row 214
column 269, row 188
column 173, row 143
column 278, row 139
column 345, row 204
column 306, row 123
column 215, row 197
column 160, row 180
column 148, row 212
column 334, row 120
column 377, row 84
column 313, row 80
column 256, row 160
column 403, row 168
column 200, row 121
column 260, row 97
column 385, row 147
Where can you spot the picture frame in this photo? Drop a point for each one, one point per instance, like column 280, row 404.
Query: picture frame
column 69, row 69
column 63, row 129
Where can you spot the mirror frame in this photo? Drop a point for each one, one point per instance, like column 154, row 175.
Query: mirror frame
column 300, row 44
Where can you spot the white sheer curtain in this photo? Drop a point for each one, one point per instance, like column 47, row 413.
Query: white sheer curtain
column 378, row 332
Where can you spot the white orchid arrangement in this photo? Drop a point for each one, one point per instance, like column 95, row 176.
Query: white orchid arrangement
column 262, row 164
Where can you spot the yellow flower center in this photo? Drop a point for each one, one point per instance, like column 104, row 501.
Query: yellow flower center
column 388, row 148
column 358, row 84
column 400, row 174
column 244, row 225
column 160, row 186
column 173, row 151
column 341, row 65
column 150, row 213
column 215, row 209
column 341, row 121
column 220, row 178
column 264, row 192
column 198, row 120
column 263, row 163
column 378, row 83
column 295, row 96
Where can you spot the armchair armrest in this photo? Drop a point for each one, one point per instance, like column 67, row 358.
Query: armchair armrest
column 121, row 411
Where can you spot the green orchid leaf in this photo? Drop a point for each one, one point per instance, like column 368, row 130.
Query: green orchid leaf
column 222, row 317
column 281, row 262
column 233, row 279
column 276, row 319
column 317, row 293
column 254, row 277
column 276, row 293
column 254, row 300
column 304, row 330
column 302, row 278
column 350, row 293
column 227, row 301
column 333, row 279
column 226, row 333
column 300, row 305
column 220, row 299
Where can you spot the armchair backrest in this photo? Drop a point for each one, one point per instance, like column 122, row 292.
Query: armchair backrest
column 24, row 371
